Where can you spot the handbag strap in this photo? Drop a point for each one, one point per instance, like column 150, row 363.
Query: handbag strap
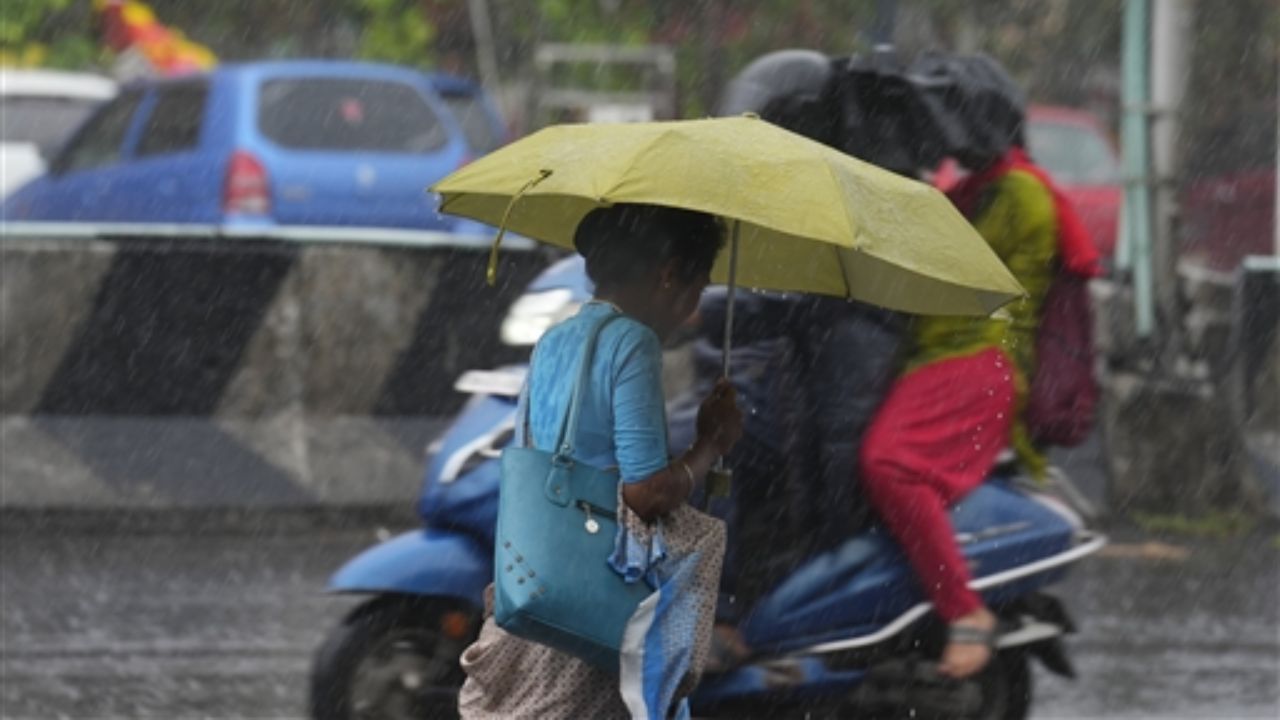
column 569, row 426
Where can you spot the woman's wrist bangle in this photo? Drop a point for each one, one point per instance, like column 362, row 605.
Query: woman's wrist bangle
column 688, row 471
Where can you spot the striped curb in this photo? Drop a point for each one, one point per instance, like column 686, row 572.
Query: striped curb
column 198, row 372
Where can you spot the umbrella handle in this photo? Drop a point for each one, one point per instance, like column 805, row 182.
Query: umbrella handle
column 719, row 483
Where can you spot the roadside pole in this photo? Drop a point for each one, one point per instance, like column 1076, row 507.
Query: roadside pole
column 486, row 50
column 1136, row 237
column 1170, row 48
column 886, row 19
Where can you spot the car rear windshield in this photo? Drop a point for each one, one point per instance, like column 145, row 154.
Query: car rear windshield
column 347, row 114
column 99, row 142
column 42, row 121
column 477, row 125
column 175, row 120
column 1073, row 154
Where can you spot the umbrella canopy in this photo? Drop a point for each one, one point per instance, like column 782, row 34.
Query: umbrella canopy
column 809, row 218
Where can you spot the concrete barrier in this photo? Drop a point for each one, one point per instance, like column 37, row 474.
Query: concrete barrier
column 1256, row 334
column 1201, row 433
column 210, row 372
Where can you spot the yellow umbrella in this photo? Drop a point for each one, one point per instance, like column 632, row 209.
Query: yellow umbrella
column 805, row 217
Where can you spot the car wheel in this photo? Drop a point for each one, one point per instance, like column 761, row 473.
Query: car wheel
column 390, row 660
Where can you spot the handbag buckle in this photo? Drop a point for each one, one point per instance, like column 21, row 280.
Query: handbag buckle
column 591, row 524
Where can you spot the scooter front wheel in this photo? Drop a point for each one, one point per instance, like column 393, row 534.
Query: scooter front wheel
column 393, row 658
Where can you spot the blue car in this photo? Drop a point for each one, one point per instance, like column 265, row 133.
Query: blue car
column 269, row 147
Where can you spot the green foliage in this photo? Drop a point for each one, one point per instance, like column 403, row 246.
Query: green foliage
column 395, row 31
column 48, row 33
column 585, row 21
column 1051, row 46
column 712, row 39
column 23, row 19
column 1215, row 524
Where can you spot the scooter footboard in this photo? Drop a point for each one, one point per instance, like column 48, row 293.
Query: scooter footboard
column 421, row 562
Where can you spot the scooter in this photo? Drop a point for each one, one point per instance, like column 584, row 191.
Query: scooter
column 848, row 633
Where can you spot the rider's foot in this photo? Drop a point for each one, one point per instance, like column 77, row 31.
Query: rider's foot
column 970, row 646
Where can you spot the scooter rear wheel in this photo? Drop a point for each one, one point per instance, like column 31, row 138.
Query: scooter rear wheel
column 1006, row 687
column 388, row 661
column 906, row 688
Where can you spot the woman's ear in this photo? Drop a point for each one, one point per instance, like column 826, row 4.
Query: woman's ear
column 668, row 273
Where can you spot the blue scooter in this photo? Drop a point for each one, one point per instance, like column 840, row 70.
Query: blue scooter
column 847, row 634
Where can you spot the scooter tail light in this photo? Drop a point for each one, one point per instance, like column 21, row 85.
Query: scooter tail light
column 455, row 625
column 247, row 190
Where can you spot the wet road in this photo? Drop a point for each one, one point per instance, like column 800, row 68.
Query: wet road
column 222, row 624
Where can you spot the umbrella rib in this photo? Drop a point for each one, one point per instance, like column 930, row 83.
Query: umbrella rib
column 849, row 223
column 849, row 226
column 640, row 152
column 844, row 273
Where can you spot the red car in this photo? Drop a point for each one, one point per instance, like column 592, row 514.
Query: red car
column 1228, row 217
column 1074, row 148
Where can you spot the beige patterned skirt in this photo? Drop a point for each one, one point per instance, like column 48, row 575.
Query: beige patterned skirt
column 509, row 678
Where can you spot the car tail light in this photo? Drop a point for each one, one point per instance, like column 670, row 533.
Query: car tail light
column 247, row 191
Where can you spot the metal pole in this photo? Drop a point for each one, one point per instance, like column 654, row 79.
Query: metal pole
column 486, row 51
column 886, row 19
column 711, row 19
column 1124, row 245
column 1170, row 55
column 1276, row 227
column 1137, row 202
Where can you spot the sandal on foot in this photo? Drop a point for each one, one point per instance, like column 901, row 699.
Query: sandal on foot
column 969, row 635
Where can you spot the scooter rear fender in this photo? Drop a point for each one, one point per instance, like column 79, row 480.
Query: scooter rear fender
column 431, row 563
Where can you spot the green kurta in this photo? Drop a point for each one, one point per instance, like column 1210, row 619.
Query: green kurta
column 1016, row 217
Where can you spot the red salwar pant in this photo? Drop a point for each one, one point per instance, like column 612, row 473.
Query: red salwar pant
column 934, row 440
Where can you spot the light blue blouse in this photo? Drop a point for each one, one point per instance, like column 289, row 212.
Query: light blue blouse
column 622, row 422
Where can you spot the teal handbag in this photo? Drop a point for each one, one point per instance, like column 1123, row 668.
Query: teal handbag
column 557, row 524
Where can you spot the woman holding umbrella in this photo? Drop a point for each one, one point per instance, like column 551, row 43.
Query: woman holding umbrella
column 649, row 265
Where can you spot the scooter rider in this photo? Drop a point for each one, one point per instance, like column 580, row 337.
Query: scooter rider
column 810, row 371
column 958, row 402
